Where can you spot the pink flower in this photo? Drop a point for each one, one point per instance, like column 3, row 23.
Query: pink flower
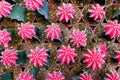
column 112, row 28
column 33, row 4
column 38, row 56
column 55, row 76
column 8, row 57
column 78, row 38
column 84, row 76
column 26, row 30
column 4, row 37
column 53, row 31
column 112, row 76
column 66, row 54
column 25, row 76
column 93, row 58
column 5, row 8
column 97, row 12
column 65, row 12
column 102, row 49
column 118, row 56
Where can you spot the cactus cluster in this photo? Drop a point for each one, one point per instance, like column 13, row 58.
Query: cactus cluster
column 59, row 40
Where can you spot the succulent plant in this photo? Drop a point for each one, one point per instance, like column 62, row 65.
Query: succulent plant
column 59, row 40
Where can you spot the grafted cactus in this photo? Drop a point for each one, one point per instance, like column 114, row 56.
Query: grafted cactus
column 59, row 40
